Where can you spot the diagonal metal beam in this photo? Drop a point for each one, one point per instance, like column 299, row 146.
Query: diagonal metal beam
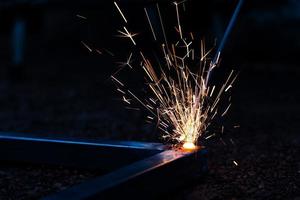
column 145, row 179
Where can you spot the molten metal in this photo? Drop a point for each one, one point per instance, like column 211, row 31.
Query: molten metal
column 189, row 146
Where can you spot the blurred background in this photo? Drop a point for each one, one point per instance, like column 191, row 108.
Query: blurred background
column 51, row 84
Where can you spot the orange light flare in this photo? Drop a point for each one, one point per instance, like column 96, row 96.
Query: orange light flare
column 189, row 146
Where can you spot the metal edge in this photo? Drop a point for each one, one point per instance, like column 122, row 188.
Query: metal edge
column 138, row 177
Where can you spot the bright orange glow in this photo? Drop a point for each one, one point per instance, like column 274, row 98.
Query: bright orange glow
column 189, row 146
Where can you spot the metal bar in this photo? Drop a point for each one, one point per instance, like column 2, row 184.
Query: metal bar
column 228, row 29
column 144, row 170
column 146, row 179
column 85, row 154
column 225, row 36
column 80, row 141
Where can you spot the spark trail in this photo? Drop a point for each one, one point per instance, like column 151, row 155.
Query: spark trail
column 182, row 100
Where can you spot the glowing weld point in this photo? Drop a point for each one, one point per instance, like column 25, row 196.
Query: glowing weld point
column 189, row 146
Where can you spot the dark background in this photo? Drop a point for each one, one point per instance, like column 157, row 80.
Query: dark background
column 58, row 88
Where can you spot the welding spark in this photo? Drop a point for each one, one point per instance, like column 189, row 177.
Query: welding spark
column 178, row 19
column 98, row 51
column 212, row 135
column 121, row 13
column 128, row 62
column 80, row 16
column 109, row 52
column 128, row 34
column 124, row 64
column 181, row 99
column 126, row 100
column 150, row 24
column 224, row 113
column 236, row 164
column 86, row 46
column 115, row 79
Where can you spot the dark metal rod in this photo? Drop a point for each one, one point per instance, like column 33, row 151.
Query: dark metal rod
column 228, row 30
column 147, row 179
column 104, row 143
column 142, row 169
column 82, row 154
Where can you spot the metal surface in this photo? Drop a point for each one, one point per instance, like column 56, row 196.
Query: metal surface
column 135, row 170
column 145, row 179
column 86, row 154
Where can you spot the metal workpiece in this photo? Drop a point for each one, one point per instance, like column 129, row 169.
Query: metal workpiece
column 132, row 168
column 151, row 177
column 76, row 153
